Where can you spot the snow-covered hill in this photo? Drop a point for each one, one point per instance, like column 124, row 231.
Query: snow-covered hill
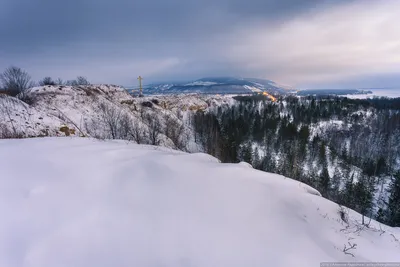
column 218, row 85
column 81, row 202
column 93, row 110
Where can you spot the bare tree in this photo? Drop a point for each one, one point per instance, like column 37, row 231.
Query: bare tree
column 5, row 103
column 47, row 81
column 70, row 83
column 14, row 80
column 176, row 132
column 344, row 214
column 154, row 129
column 113, row 123
column 143, row 114
column 94, row 128
column 124, row 127
column 59, row 81
column 80, row 80
column 111, row 116
column 137, row 133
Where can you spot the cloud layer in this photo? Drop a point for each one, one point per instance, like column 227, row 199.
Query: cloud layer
column 303, row 43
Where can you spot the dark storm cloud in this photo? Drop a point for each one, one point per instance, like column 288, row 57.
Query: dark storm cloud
column 112, row 41
column 29, row 24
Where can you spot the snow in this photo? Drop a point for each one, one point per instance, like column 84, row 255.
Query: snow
column 200, row 83
column 283, row 86
column 322, row 126
column 390, row 93
column 17, row 116
column 252, row 88
column 81, row 202
column 79, row 108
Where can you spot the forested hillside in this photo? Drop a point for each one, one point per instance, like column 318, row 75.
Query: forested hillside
column 348, row 149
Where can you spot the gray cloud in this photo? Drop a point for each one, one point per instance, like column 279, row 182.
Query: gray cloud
column 52, row 22
column 114, row 41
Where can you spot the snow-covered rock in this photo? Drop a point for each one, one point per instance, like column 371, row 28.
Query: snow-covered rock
column 79, row 109
column 81, row 202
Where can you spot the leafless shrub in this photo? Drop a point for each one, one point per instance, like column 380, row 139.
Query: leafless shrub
column 70, row 83
column 114, row 123
column 26, row 97
column 125, row 127
column 175, row 131
column 80, row 80
column 366, row 224
column 137, row 133
column 344, row 214
column 14, row 80
column 59, row 81
column 95, row 129
column 5, row 132
column 154, row 129
column 143, row 114
column 350, row 246
column 110, row 116
column 47, row 81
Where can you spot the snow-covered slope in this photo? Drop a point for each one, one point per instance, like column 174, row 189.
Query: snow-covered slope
column 388, row 93
column 17, row 117
column 218, row 85
column 88, row 111
column 52, row 107
column 81, row 202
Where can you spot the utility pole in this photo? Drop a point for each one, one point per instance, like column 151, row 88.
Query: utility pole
column 140, row 86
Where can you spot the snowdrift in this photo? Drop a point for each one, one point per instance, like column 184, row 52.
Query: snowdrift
column 81, row 202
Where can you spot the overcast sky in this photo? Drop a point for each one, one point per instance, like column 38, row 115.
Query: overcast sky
column 303, row 43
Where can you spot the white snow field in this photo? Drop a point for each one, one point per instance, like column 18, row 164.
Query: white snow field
column 388, row 93
column 86, row 203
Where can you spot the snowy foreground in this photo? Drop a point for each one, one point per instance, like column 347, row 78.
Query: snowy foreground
column 80, row 202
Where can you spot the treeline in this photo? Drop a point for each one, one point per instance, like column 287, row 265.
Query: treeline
column 347, row 149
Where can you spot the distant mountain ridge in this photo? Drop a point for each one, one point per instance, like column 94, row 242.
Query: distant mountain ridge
column 216, row 85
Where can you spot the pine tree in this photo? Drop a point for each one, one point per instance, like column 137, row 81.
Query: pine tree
column 256, row 159
column 335, row 185
column 304, row 133
column 380, row 216
column 257, row 129
column 346, row 196
column 322, row 154
column 324, row 182
column 362, row 197
column 246, row 153
column 394, row 201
